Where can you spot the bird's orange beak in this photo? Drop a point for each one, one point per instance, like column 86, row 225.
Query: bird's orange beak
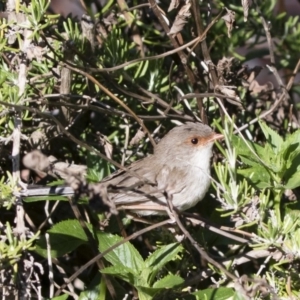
column 217, row 136
column 214, row 137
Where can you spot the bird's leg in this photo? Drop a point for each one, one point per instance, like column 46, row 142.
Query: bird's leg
column 169, row 207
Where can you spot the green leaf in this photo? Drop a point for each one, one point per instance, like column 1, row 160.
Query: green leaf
column 122, row 272
column 142, row 69
column 293, row 140
column 97, row 168
column 290, row 150
column 124, row 255
column 291, row 176
column 293, row 209
column 250, row 162
column 265, row 154
column 64, row 237
column 215, row 294
column 257, row 175
column 147, row 292
column 158, row 259
column 163, row 255
column 272, row 137
column 168, row 281
column 242, row 149
column 293, row 181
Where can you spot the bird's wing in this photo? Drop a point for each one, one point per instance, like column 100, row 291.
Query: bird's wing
column 130, row 189
column 136, row 172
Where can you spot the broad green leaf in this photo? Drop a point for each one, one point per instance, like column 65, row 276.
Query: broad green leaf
column 293, row 207
column 290, row 150
column 257, row 175
column 250, row 162
column 146, row 276
column 294, row 158
column 122, row 272
column 147, row 292
column 293, row 181
column 215, row 294
column 157, row 260
column 272, row 137
column 276, row 164
column 291, row 157
column 242, row 149
column 163, row 255
column 124, row 255
column 169, row 281
column 293, row 140
column 291, row 177
column 64, row 237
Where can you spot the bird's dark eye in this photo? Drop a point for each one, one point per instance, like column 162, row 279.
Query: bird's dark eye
column 194, row 141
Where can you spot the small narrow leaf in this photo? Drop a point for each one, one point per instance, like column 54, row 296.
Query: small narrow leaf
column 169, row 281
column 213, row 294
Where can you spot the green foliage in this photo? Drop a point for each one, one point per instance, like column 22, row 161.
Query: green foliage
column 97, row 168
column 6, row 196
column 125, row 259
column 276, row 164
column 73, row 96
column 12, row 249
column 221, row 293
column 263, row 172
column 130, row 266
column 64, row 236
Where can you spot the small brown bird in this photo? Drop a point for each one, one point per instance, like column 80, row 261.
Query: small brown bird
column 179, row 168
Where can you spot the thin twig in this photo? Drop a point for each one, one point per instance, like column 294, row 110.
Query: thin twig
column 51, row 280
column 217, row 229
column 275, row 104
column 202, row 252
column 114, row 97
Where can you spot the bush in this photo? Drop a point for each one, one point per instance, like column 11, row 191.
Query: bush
column 80, row 98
